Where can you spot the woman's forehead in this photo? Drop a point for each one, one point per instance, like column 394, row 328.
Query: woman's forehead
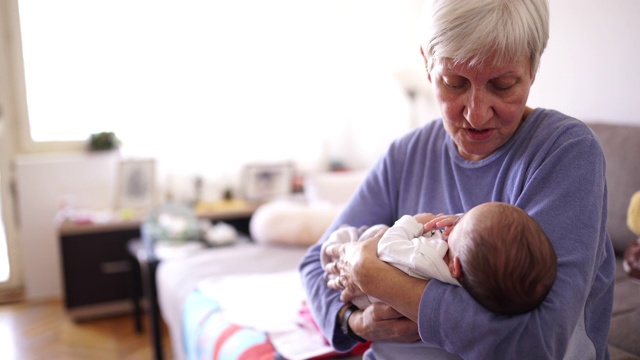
column 487, row 66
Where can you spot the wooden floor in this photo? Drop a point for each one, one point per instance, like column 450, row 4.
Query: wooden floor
column 43, row 330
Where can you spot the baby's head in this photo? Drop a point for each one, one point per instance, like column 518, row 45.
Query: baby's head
column 502, row 257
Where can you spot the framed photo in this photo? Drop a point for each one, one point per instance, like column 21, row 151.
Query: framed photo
column 262, row 182
column 136, row 184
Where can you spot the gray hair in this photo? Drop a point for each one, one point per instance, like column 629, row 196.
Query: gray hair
column 473, row 30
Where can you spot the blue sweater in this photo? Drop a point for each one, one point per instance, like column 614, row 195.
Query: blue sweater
column 553, row 168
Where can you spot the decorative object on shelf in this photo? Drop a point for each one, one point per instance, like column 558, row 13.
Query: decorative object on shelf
column 198, row 185
column 338, row 165
column 227, row 194
column 262, row 182
column 135, row 186
column 103, row 141
column 171, row 222
column 217, row 234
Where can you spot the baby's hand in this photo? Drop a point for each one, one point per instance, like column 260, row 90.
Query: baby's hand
column 442, row 221
column 424, row 218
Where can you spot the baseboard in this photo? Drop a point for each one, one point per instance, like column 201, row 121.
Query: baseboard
column 96, row 311
column 12, row 295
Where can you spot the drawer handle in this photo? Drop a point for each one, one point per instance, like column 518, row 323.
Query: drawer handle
column 115, row 267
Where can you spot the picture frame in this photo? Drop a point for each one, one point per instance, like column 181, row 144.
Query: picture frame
column 136, row 184
column 261, row 182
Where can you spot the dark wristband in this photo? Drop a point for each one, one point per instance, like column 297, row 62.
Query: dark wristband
column 344, row 324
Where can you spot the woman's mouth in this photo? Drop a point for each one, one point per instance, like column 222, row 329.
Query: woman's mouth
column 478, row 134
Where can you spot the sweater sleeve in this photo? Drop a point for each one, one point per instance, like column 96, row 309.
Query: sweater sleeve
column 563, row 188
column 370, row 205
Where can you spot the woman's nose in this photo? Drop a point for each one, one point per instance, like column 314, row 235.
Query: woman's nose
column 478, row 110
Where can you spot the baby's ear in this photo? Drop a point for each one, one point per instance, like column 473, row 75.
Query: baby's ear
column 455, row 268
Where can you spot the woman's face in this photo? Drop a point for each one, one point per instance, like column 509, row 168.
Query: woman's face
column 482, row 106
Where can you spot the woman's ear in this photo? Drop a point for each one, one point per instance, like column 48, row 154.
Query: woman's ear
column 455, row 268
column 426, row 64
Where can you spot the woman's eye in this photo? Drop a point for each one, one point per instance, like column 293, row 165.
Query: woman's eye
column 454, row 83
column 503, row 85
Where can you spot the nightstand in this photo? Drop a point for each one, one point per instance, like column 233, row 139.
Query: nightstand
column 96, row 268
column 96, row 263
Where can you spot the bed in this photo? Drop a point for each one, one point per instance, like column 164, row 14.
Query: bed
column 245, row 300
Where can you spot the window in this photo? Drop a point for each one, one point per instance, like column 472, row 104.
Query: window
column 191, row 82
column 207, row 86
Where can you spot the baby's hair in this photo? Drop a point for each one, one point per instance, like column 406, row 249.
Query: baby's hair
column 509, row 264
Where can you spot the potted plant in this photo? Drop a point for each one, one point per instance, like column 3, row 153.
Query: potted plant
column 103, row 141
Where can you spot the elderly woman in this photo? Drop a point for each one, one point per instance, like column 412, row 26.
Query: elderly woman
column 481, row 58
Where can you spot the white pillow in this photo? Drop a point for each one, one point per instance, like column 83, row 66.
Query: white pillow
column 291, row 222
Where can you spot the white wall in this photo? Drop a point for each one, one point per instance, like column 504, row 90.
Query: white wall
column 590, row 70
column 44, row 182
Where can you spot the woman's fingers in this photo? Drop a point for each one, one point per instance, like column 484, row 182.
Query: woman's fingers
column 332, row 268
column 336, row 282
column 333, row 251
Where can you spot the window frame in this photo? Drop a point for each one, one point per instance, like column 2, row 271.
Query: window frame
column 16, row 88
column 11, row 289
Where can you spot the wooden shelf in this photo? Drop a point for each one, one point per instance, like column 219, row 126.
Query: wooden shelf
column 214, row 211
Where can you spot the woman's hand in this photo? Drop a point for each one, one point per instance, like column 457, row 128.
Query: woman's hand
column 339, row 273
column 359, row 271
column 351, row 259
column 333, row 269
column 358, row 266
column 381, row 322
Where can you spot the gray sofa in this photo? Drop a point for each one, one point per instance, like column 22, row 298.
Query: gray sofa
column 621, row 145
